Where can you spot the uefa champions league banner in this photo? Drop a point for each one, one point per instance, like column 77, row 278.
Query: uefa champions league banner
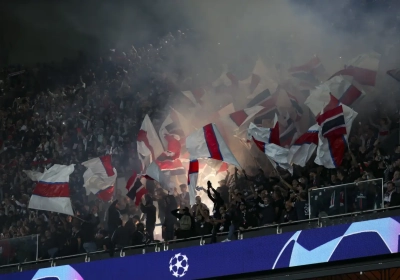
column 341, row 242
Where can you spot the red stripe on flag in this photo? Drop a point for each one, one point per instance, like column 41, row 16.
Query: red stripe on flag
column 107, row 194
column 307, row 138
column 337, row 146
column 224, row 167
column 274, row 137
column 139, row 194
column 193, row 167
column 131, row 181
column 51, row 189
column 106, row 161
column 350, row 96
column 255, row 80
column 330, row 114
column 212, row 142
column 238, row 117
column 259, row 144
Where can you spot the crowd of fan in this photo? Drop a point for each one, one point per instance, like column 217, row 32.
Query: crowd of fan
column 81, row 109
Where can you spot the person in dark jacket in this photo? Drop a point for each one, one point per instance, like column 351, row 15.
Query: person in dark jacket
column 121, row 237
column 150, row 210
column 140, row 237
column 114, row 220
column 170, row 220
column 186, row 230
column 266, row 211
column 88, row 229
column 216, row 199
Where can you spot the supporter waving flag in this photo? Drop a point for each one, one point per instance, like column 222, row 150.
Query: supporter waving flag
column 335, row 123
column 207, row 142
column 51, row 192
column 303, row 148
column 99, row 175
column 149, row 146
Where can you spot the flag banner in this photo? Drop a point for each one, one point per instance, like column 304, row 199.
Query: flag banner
column 149, row 146
column 192, row 180
column 340, row 88
column 208, row 143
column 313, row 71
column 99, row 174
column 136, row 190
column 262, row 135
column 363, row 69
column 51, row 192
column 332, row 136
column 304, row 147
column 296, row 105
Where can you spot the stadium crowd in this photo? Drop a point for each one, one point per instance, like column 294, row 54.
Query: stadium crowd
column 82, row 109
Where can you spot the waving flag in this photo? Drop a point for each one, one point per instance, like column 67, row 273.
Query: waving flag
column 264, row 139
column 335, row 126
column 268, row 102
column 51, row 192
column 135, row 188
column 174, row 124
column 296, row 106
column 289, row 135
column 195, row 96
column 340, row 88
column 262, row 136
column 362, row 69
column 312, row 72
column 99, row 175
column 192, row 180
column 258, row 81
column 149, row 146
column 394, row 73
column 303, row 148
column 208, row 143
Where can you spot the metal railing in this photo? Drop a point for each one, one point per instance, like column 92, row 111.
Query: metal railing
column 19, row 249
column 347, row 198
column 200, row 240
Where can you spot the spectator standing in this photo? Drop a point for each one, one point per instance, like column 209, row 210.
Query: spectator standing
column 149, row 210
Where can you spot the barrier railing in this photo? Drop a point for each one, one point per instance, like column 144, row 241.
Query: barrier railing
column 346, row 198
column 197, row 241
column 19, row 249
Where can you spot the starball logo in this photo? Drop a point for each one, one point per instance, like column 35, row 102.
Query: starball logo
column 64, row 272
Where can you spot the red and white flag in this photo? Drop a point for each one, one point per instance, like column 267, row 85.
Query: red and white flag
column 342, row 89
column 303, row 148
column 136, row 190
column 195, row 96
column 192, row 180
column 362, row 69
column 335, row 125
column 51, row 192
column 174, row 124
column 312, row 72
column 149, row 146
column 99, row 175
column 207, row 142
